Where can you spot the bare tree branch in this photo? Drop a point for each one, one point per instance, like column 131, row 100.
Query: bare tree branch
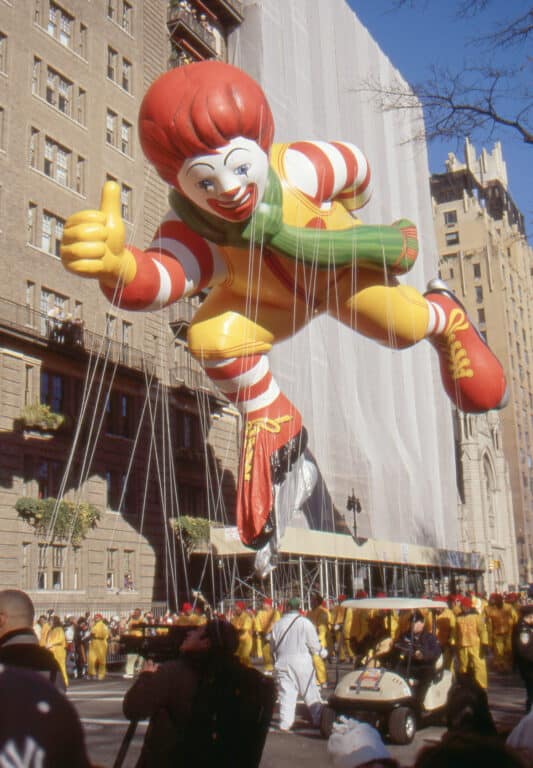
column 457, row 105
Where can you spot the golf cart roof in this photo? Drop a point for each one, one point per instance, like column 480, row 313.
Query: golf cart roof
column 393, row 603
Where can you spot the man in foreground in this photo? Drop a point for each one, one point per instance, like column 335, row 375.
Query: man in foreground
column 19, row 646
column 205, row 708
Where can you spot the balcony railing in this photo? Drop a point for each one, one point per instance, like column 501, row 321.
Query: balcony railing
column 70, row 335
column 184, row 24
column 195, row 379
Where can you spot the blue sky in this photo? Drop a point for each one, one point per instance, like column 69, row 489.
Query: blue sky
column 429, row 34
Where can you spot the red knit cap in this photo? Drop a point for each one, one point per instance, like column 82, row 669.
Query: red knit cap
column 186, row 607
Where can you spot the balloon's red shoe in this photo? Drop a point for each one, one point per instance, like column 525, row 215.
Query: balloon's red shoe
column 471, row 374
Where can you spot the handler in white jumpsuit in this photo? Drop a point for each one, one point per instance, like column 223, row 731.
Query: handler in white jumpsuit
column 293, row 642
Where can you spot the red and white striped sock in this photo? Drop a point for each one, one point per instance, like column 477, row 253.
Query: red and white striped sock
column 248, row 383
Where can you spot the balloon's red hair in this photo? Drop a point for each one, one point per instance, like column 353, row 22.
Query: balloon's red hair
column 198, row 108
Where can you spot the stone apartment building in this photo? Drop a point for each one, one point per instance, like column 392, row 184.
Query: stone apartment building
column 486, row 260
column 72, row 75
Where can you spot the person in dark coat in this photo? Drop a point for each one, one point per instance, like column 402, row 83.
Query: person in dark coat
column 39, row 727
column 522, row 640
column 416, row 651
column 19, row 646
column 205, row 708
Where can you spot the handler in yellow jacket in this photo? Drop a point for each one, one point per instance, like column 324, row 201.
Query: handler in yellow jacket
column 56, row 643
column 97, row 659
column 264, row 620
column 472, row 643
column 243, row 623
column 320, row 618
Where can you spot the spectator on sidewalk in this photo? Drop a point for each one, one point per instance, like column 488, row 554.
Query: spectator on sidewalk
column 39, row 727
column 19, row 646
column 523, row 650
column 358, row 745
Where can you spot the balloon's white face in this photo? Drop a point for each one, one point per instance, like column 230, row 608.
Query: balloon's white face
column 229, row 182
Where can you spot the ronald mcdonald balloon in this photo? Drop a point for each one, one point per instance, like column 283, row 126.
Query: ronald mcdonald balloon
column 271, row 230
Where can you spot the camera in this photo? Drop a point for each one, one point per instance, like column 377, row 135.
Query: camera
column 158, row 642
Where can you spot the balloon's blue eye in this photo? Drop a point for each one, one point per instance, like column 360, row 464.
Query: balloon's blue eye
column 242, row 170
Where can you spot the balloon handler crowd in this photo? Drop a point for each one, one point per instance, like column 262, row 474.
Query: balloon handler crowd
column 275, row 651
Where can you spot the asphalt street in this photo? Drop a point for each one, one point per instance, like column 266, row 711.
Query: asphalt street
column 99, row 705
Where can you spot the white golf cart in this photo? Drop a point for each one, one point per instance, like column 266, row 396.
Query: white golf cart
column 385, row 693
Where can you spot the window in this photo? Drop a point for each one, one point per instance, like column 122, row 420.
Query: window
column 128, row 567
column 452, row 238
column 477, row 270
column 58, row 563
column 189, row 433
column 479, row 294
column 126, row 75
column 481, row 316
column 80, row 175
column 48, row 474
column 112, row 9
column 112, row 59
column 36, row 76
column 119, row 410
column 2, row 129
column 111, row 568
column 59, row 92
column 125, row 200
column 42, row 566
column 125, row 137
column 51, row 233
column 3, row 53
column 127, row 17
column 126, row 341
column 111, row 128
column 83, row 41
column 60, row 25
column 450, row 218
column 52, row 390
column 81, row 107
column 57, row 161
column 110, row 325
column 34, row 148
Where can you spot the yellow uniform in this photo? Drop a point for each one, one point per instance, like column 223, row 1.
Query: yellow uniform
column 243, row 623
column 341, row 621
column 358, row 627
column 97, row 659
column 56, row 643
column 446, row 625
column 263, row 623
column 320, row 618
column 471, row 633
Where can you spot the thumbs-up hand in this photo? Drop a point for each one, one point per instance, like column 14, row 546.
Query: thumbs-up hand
column 93, row 243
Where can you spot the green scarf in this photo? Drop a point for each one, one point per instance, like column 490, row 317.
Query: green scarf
column 385, row 247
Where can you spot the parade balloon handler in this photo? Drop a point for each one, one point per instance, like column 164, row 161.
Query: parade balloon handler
column 272, row 231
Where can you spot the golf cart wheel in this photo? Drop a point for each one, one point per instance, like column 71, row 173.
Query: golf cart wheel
column 402, row 725
column 327, row 718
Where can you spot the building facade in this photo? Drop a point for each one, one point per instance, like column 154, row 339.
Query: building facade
column 142, row 428
column 487, row 261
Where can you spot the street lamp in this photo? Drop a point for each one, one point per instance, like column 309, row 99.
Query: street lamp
column 354, row 505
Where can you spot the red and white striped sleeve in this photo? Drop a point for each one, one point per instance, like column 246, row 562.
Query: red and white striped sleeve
column 178, row 263
column 326, row 171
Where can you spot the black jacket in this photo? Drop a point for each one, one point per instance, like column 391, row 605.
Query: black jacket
column 20, row 648
column 523, row 645
column 204, row 711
